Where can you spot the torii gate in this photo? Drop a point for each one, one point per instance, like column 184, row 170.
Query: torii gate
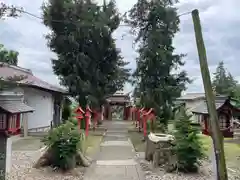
column 119, row 99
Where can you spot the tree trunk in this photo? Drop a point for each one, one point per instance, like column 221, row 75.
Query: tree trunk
column 49, row 159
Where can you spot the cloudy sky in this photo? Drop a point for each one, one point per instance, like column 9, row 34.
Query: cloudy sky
column 220, row 20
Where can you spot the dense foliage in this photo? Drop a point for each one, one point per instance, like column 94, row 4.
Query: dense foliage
column 158, row 79
column 64, row 143
column 189, row 149
column 87, row 62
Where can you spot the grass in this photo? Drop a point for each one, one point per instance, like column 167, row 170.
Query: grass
column 232, row 150
column 92, row 142
column 136, row 139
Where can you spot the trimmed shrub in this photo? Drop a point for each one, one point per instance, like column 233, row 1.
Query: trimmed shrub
column 64, row 144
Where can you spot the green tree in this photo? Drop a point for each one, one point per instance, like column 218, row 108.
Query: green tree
column 189, row 148
column 223, row 82
column 8, row 56
column 88, row 62
column 156, row 23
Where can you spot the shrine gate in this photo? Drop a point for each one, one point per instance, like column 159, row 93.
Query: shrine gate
column 118, row 99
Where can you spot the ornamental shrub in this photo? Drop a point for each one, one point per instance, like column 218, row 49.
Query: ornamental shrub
column 64, row 142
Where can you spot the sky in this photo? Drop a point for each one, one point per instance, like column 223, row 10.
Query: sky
column 219, row 18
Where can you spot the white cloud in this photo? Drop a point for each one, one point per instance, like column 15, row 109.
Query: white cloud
column 26, row 35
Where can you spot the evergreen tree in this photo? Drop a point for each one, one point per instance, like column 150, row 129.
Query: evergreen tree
column 223, row 82
column 156, row 23
column 189, row 149
column 88, row 62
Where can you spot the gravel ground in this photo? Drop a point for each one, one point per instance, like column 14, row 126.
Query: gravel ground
column 205, row 172
column 22, row 162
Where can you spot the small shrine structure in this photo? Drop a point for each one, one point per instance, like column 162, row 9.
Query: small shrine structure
column 225, row 111
column 117, row 99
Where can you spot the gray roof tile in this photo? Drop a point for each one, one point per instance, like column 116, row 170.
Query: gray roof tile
column 191, row 96
column 202, row 107
column 7, row 71
column 16, row 106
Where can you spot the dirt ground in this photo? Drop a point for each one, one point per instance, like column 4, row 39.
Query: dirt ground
column 27, row 144
column 25, row 153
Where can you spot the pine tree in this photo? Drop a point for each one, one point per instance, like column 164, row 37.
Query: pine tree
column 223, row 81
column 189, row 149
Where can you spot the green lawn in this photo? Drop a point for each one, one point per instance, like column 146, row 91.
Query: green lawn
column 232, row 150
column 92, row 142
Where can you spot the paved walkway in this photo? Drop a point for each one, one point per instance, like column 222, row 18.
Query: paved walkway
column 115, row 160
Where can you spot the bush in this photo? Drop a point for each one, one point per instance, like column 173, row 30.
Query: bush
column 64, row 142
column 73, row 120
column 188, row 148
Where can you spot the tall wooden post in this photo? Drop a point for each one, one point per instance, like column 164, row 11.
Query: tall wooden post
column 87, row 118
column 109, row 112
column 5, row 154
column 25, row 124
column 216, row 133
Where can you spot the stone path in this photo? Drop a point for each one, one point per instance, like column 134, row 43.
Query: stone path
column 115, row 160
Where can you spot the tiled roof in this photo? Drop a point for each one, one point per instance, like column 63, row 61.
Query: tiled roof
column 202, row 107
column 29, row 79
column 16, row 106
column 191, row 96
column 118, row 99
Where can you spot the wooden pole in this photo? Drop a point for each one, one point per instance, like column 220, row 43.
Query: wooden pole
column 214, row 124
column 25, row 124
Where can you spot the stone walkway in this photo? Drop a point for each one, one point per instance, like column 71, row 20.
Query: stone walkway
column 115, row 160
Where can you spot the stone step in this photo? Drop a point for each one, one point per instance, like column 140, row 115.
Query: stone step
column 128, row 162
column 116, row 153
column 115, row 138
column 116, row 143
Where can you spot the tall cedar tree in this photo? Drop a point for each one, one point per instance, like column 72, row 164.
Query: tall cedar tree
column 223, row 82
column 88, row 62
column 156, row 23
